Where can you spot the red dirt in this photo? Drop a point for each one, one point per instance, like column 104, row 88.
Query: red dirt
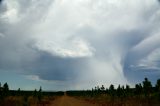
column 70, row 101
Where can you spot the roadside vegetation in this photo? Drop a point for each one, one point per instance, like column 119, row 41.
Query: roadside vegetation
column 143, row 94
column 26, row 98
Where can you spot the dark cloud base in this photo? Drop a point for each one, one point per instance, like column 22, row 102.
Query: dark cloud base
column 113, row 39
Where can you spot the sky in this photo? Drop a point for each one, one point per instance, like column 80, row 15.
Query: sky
column 78, row 44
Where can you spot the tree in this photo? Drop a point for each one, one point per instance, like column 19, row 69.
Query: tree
column 40, row 89
column 128, row 91
column 19, row 91
column 98, row 88
column 111, row 90
column 0, row 89
column 95, row 88
column 127, row 88
column 112, row 93
column 138, row 89
column 158, row 88
column 35, row 93
column 147, row 87
column 5, row 89
column 158, row 85
column 102, row 88
column 119, row 91
column 40, row 94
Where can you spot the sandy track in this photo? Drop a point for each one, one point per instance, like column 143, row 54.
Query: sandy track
column 70, row 101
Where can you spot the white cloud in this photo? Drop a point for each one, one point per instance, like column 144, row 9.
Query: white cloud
column 33, row 77
column 74, row 48
column 151, row 61
column 2, row 35
column 100, row 32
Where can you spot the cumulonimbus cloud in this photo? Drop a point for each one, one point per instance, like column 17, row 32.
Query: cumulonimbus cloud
column 96, row 42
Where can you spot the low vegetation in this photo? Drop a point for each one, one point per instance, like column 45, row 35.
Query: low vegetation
column 26, row 98
column 144, row 94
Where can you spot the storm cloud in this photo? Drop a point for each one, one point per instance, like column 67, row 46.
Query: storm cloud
column 81, row 42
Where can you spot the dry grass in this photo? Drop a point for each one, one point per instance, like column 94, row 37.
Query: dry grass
column 104, row 100
column 26, row 101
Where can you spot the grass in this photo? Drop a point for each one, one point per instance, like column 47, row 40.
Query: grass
column 106, row 100
column 26, row 101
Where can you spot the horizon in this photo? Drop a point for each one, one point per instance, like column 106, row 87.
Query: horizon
column 78, row 44
column 93, row 88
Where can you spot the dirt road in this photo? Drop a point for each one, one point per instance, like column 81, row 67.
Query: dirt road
column 70, row 101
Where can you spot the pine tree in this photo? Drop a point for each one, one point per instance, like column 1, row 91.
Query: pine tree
column 119, row 91
column 112, row 93
column 147, row 87
column 138, row 89
column 40, row 94
column 128, row 91
column 111, row 90
column 102, row 88
column 35, row 93
column 158, row 85
column 158, row 88
column 19, row 91
column 0, row 88
column 5, row 89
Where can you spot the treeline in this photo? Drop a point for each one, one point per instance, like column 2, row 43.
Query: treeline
column 4, row 91
column 143, row 92
column 25, row 98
